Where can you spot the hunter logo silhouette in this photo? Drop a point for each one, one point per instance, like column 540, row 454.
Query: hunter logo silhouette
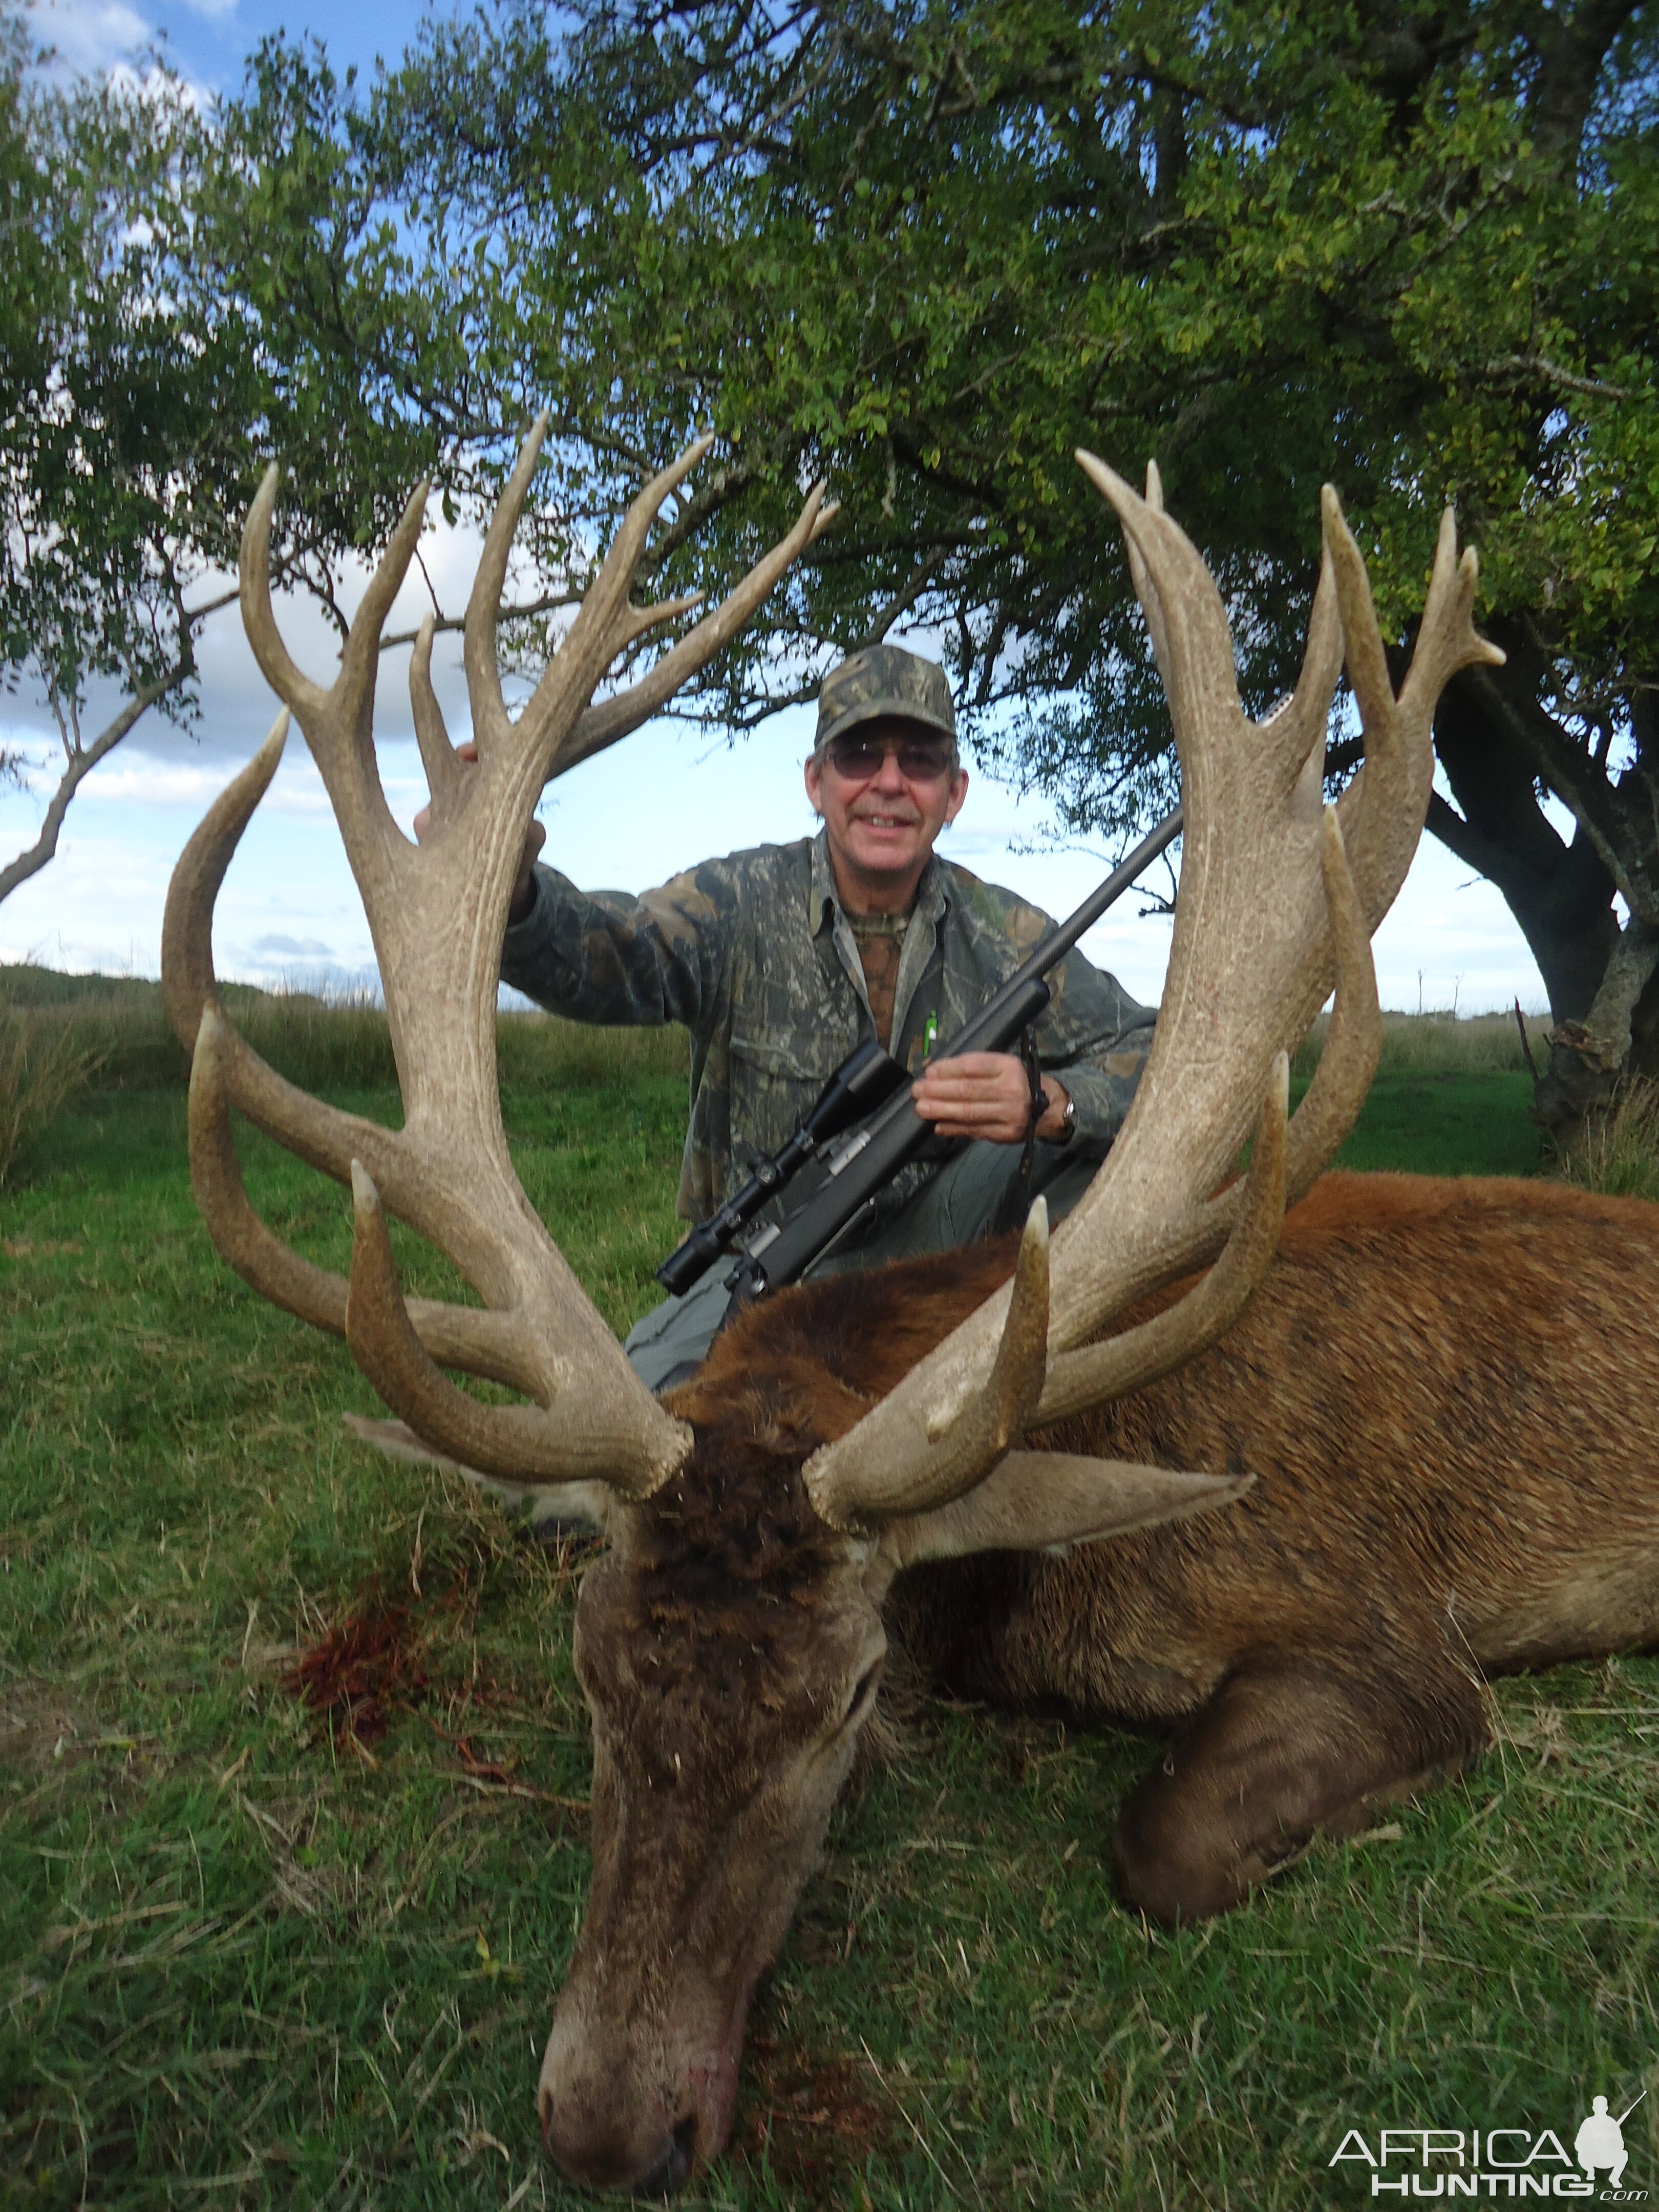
column 1599, row 2142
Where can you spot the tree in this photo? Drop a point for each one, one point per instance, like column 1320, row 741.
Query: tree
column 929, row 248
column 142, row 396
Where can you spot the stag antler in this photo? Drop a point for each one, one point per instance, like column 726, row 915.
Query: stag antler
column 1278, row 901
column 437, row 913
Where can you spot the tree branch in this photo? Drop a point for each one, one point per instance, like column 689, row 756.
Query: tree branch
column 81, row 762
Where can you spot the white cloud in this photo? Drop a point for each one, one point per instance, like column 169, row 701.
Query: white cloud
column 90, row 36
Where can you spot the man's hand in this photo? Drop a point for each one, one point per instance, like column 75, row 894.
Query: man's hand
column 524, row 884
column 985, row 1094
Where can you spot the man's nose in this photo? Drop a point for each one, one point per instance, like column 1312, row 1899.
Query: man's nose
column 890, row 777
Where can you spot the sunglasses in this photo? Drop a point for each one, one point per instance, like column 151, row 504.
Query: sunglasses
column 921, row 760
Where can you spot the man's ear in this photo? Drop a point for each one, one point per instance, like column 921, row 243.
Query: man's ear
column 814, row 775
column 958, row 793
column 542, row 1510
column 1047, row 1502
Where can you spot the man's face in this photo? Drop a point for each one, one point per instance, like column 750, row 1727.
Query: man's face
column 883, row 818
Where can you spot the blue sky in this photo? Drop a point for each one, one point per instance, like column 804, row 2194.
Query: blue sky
column 208, row 41
column 662, row 801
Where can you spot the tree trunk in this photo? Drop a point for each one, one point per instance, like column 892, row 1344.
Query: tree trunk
column 1560, row 893
column 1497, row 743
column 1587, row 1058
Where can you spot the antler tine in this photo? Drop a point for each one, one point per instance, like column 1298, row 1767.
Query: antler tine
column 360, row 662
column 1353, row 1042
column 1302, row 724
column 956, row 1442
column 605, row 621
column 338, row 723
column 352, row 695
column 1446, row 637
column 484, row 676
column 595, row 1440
column 307, row 699
column 1191, row 634
column 1152, row 606
column 633, row 623
column 477, row 1342
column 1384, row 806
column 188, row 982
column 444, row 769
column 612, row 584
column 614, row 718
column 321, row 1135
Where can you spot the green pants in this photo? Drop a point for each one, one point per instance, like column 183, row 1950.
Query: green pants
column 978, row 1194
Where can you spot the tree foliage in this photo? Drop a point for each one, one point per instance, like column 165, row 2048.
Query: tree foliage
column 924, row 249
column 928, row 248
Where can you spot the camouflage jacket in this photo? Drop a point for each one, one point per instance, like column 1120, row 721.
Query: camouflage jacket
column 754, row 955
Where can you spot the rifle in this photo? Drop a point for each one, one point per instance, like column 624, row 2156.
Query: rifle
column 782, row 1253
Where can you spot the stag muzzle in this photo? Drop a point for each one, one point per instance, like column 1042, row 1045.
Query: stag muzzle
column 633, row 2097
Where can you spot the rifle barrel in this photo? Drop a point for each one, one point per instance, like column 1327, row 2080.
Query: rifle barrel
column 1104, row 895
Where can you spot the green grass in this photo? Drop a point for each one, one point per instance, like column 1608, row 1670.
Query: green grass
column 242, row 1963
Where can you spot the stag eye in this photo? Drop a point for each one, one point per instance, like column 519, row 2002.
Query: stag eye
column 862, row 1694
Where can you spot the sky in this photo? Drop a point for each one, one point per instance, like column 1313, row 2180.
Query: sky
column 665, row 798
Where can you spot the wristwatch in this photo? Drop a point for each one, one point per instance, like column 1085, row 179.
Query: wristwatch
column 1067, row 1121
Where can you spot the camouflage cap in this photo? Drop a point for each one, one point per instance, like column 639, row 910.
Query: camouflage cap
column 885, row 679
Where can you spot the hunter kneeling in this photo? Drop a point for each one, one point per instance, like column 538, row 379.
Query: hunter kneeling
column 781, row 961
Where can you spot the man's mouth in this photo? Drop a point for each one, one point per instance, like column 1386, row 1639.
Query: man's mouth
column 886, row 821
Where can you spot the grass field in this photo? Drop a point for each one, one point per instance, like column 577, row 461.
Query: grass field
column 252, row 1957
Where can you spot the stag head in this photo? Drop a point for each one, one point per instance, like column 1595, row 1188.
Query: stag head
column 730, row 1639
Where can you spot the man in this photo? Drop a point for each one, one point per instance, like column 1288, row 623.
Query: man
column 780, row 961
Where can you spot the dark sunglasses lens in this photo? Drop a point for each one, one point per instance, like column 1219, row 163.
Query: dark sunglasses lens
column 856, row 758
column 923, row 764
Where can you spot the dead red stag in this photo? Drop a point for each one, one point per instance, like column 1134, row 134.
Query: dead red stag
column 1432, row 1425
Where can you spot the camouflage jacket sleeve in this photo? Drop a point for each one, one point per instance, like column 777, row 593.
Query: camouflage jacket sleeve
column 607, row 957
column 1094, row 1039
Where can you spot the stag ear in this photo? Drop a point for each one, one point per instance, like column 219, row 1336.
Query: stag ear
column 1047, row 1502
column 541, row 1509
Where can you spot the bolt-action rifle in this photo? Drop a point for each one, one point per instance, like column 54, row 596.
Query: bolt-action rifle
column 862, row 1090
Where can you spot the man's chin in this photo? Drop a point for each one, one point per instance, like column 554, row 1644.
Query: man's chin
column 886, row 853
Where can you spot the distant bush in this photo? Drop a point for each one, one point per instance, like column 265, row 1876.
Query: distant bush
column 323, row 1043
column 43, row 1063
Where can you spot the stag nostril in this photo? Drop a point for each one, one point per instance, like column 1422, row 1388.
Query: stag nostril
column 671, row 2171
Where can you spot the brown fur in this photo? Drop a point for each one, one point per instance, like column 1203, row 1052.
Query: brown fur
column 1447, row 1392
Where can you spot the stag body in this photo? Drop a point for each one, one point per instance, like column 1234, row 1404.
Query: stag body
column 1446, row 1393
